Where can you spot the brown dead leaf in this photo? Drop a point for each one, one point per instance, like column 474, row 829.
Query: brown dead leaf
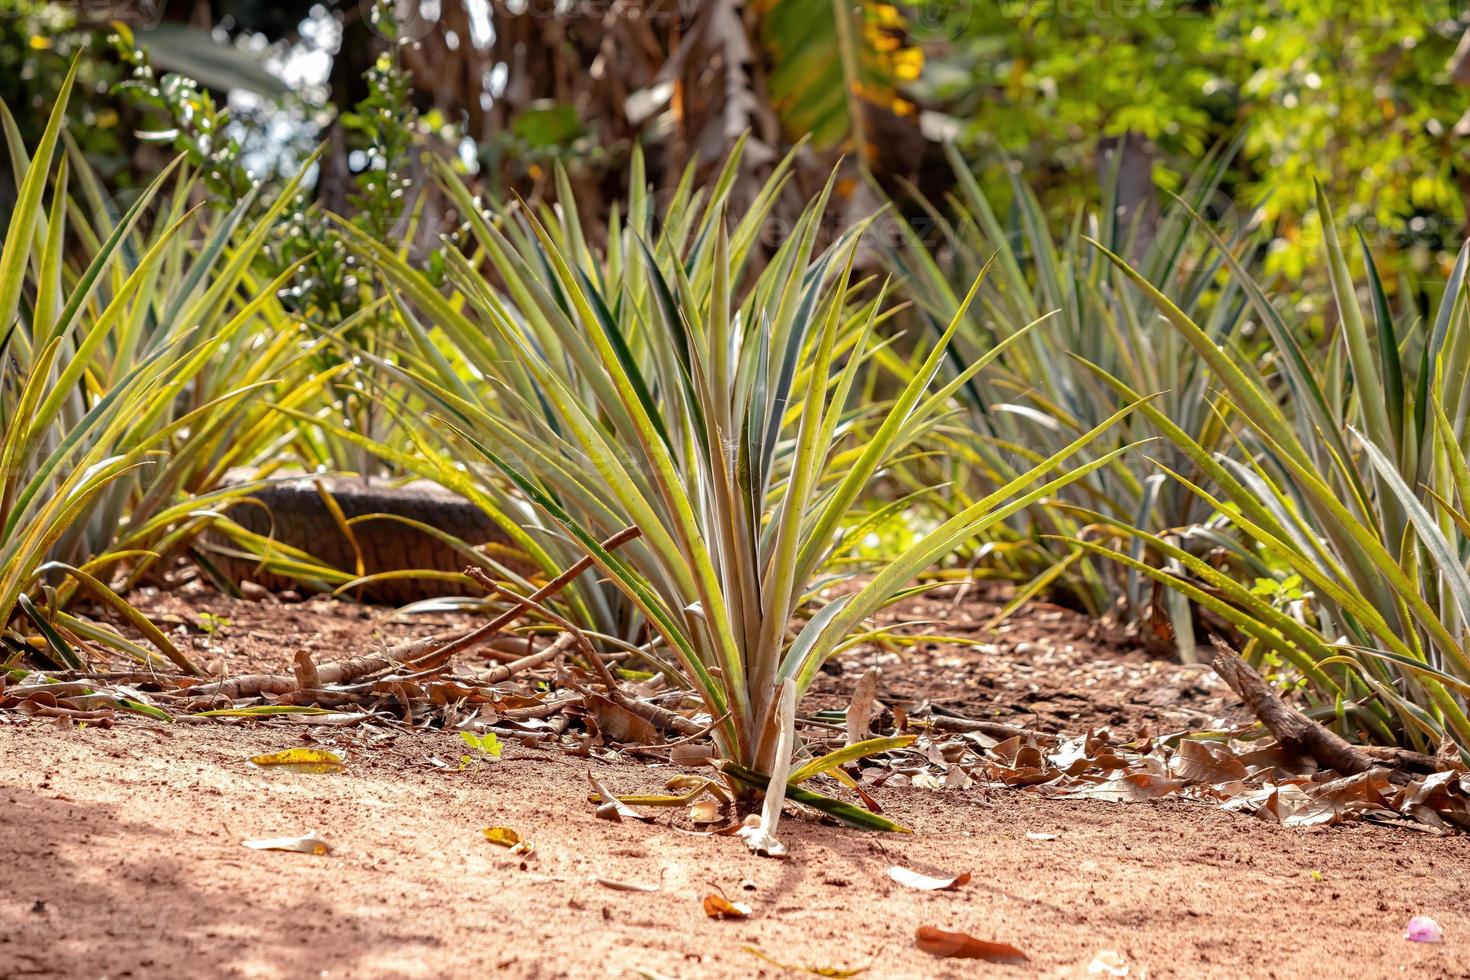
column 512, row 702
column 720, row 907
column 926, row 883
column 1198, row 762
column 448, row 692
column 1316, row 813
column 1365, row 787
column 1448, row 755
column 1021, row 778
column 1132, row 788
column 1018, row 753
column 860, row 710
column 1276, row 762
column 959, row 945
column 1437, row 800
column 1341, row 799
column 620, row 724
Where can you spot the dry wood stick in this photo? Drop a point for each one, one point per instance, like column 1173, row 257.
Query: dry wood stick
column 545, row 655
column 545, row 592
column 1294, row 730
column 991, row 729
column 416, row 654
column 658, row 716
column 588, row 651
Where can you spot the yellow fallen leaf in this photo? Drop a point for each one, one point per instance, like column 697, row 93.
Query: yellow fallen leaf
column 307, row 843
column 503, row 836
column 821, row 971
column 301, row 760
column 720, row 907
column 509, row 839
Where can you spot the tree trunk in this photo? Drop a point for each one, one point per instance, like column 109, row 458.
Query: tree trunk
column 1128, row 161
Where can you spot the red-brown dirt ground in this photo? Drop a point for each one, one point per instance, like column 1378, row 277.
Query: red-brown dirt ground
column 124, row 854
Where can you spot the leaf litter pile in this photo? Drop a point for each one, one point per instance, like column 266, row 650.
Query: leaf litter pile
column 502, row 682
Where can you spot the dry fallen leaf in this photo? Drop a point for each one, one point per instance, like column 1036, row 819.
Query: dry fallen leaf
column 720, row 907
column 301, row 760
column 926, row 883
column 705, row 811
column 1132, row 788
column 861, row 710
column 821, row 971
column 307, row 843
column 509, row 839
column 624, row 886
column 959, row 945
column 503, row 836
column 926, row 780
column 612, row 808
column 620, row 724
column 1199, row 762
column 1108, row 963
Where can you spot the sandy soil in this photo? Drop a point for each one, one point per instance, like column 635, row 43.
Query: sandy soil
column 124, row 851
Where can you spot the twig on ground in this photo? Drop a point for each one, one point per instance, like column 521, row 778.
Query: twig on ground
column 337, row 672
column 594, row 659
column 1405, row 759
column 991, row 729
column 550, row 652
column 545, row 592
column 1294, row 730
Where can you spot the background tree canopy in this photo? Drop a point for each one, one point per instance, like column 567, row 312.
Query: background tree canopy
column 1359, row 96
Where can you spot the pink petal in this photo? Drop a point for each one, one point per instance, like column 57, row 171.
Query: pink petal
column 1423, row 929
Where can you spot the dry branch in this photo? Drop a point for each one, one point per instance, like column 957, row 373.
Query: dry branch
column 426, row 653
column 550, row 652
column 589, row 652
column 545, row 592
column 990, row 729
column 1294, row 730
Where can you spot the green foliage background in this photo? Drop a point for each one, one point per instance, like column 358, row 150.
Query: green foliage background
column 1358, row 95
